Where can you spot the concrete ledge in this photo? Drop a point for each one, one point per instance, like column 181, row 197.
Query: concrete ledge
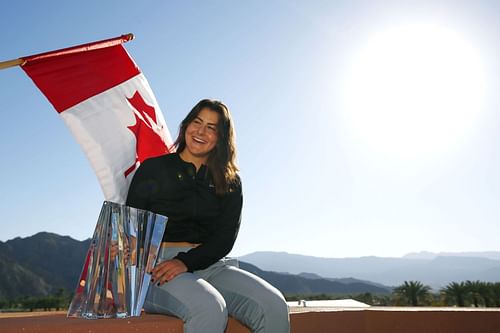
column 372, row 320
column 59, row 323
column 396, row 320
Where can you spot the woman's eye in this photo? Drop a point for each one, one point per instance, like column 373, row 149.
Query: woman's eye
column 212, row 128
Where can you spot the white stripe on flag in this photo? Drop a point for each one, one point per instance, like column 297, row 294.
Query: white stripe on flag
column 100, row 124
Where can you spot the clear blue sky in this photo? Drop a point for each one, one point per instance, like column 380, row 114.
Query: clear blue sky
column 363, row 127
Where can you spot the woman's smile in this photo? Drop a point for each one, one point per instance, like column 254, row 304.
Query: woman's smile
column 201, row 136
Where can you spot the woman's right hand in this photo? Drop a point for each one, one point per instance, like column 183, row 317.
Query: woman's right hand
column 167, row 271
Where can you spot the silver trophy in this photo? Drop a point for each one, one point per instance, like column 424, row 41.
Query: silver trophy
column 116, row 273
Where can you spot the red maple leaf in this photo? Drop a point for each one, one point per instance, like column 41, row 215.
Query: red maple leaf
column 150, row 137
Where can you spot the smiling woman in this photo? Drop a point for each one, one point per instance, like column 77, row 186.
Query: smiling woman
column 413, row 91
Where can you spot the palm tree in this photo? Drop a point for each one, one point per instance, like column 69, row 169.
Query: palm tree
column 414, row 292
column 495, row 289
column 474, row 287
column 456, row 292
column 486, row 292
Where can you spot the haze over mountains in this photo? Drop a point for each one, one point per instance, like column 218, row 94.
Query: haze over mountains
column 434, row 270
column 43, row 263
column 431, row 255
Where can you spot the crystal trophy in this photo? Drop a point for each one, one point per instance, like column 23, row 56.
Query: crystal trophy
column 115, row 276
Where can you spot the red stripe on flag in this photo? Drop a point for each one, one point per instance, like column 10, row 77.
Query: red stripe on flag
column 69, row 79
column 81, row 48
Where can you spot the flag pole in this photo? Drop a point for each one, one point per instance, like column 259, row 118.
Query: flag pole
column 11, row 63
column 74, row 49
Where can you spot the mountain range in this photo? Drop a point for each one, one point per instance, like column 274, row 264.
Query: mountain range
column 306, row 283
column 434, row 270
column 45, row 263
column 40, row 264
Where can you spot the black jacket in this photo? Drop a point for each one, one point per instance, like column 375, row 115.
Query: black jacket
column 169, row 186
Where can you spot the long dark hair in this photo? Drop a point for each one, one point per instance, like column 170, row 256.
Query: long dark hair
column 222, row 159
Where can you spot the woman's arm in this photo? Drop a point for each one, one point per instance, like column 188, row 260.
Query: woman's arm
column 222, row 241
column 140, row 188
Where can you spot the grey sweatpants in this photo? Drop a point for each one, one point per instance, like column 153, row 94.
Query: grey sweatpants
column 203, row 299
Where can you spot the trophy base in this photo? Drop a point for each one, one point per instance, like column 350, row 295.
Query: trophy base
column 114, row 279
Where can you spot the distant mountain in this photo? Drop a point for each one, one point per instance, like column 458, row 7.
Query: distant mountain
column 43, row 263
column 298, row 284
column 436, row 271
column 432, row 255
column 40, row 264
column 344, row 280
column 15, row 280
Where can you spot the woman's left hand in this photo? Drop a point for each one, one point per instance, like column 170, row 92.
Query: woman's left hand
column 168, row 270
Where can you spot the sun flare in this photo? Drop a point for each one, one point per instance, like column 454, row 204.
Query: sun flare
column 414, row 90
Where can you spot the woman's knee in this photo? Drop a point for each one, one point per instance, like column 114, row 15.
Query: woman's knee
column 253, row 301
column 210, row 307
column 264, row 311
column 275, row 304
column 208, row 312
column 193, row 300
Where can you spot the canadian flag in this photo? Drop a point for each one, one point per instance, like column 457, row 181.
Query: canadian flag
column 107, row 104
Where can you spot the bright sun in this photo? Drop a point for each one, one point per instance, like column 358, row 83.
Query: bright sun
column 413, row 90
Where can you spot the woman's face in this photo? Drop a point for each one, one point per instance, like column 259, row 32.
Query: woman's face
column 201, row 134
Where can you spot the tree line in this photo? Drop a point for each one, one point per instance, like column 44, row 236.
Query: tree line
column 461, row 294
column 410, row 293
column 58, row 301
column 414, row 293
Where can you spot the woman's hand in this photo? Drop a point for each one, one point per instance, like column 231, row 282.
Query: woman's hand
column 168, row 270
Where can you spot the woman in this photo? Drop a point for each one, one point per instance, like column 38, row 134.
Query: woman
column 198, row 188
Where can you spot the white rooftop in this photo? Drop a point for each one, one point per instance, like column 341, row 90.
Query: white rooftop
column 336, row 303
